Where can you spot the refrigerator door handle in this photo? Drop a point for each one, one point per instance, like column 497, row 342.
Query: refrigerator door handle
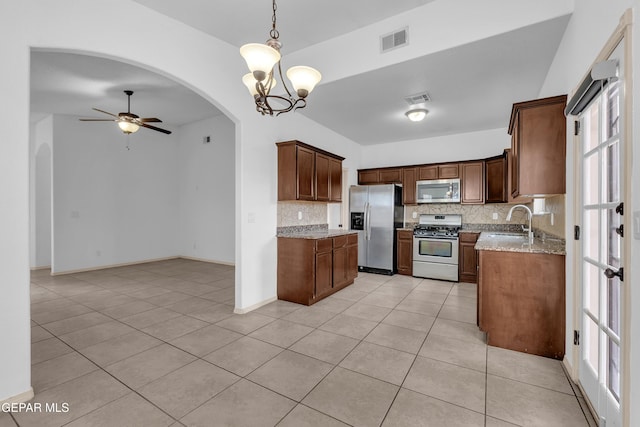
column 368, row 221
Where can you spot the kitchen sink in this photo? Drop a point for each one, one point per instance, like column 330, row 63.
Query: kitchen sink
column 507, row 237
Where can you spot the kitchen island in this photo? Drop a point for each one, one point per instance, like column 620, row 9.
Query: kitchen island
column 521, row 293
column 315, row 264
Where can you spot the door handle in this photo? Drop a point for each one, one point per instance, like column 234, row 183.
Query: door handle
column 620, row 230
column 611, row 274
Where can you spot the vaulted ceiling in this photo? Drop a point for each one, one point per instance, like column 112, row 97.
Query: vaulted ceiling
column 472, row 85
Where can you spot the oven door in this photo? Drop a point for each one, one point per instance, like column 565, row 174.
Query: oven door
column 441, row 250
column 435, row 258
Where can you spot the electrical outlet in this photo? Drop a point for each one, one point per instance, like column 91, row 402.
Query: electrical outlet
column 206, row 139
column 495, row 215
column 299, row 214
column 414, row 215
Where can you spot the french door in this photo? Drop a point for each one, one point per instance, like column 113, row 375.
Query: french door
column 601, row 248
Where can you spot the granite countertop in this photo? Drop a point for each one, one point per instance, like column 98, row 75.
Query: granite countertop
column 493, row 241
column 315, row 234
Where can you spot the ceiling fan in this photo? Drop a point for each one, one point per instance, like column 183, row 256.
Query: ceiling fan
column 129, row 122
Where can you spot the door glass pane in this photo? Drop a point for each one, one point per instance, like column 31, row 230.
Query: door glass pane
column 612, row 238
column 591, row 288
column 611, row 173
column 591, row 179
column 591, row 343
column 591, row 136
column 613, row 305
column 591, row 236
column 613, row 111
column 613, row 369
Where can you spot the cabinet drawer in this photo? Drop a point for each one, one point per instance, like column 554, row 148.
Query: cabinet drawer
column 352, row 239
column 339, row 241
column 469, row 237
column 324, row 245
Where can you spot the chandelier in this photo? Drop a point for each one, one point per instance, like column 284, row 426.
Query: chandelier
column 262, row 60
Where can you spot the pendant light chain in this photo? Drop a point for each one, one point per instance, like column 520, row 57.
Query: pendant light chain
column 274, row 33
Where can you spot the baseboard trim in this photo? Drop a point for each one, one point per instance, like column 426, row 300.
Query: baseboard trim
column 126, row 264
column 104, row 267
column 19, row 398
column 42, row 267
column 212, row 261
column 568, row 368
column 254, row 306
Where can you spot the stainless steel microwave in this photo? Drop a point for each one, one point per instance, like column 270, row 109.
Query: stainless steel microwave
column 438, row 191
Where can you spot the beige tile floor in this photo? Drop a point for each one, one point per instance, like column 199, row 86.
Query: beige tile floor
column 157, row 344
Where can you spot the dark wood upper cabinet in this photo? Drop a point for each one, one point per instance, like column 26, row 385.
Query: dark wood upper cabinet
column 496, row 179
column 427, row 172
column 448, row 171
column 390, row 176
column 538, row 147
column 308, row 173
column 323, row 177
column 409, row 186
column 369, row 176
column 472, row 182
column 335, row 180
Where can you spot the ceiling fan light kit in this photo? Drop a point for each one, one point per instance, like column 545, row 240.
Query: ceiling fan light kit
column 128, row 122
column 262, row 61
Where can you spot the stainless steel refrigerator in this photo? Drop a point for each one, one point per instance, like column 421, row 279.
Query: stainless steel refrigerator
column 375, row 213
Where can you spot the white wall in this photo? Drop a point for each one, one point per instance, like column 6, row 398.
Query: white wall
column 112, row 205
column 206, row 173
column 188, row 56
column 40, row 198
column 590, row 27
column 463, row 146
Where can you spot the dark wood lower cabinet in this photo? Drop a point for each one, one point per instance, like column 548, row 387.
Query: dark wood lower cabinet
column 311, row 269
column 468, row 258
column 404, row 247
column 521, row 301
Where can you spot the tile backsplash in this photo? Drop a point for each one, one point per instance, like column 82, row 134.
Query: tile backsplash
column 312, row 213
column 316, row 213
column 483, row 214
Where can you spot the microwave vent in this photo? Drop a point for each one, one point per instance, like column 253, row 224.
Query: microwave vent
column 394, row 40
column 418, row 98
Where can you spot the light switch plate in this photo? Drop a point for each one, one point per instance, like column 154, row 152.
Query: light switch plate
column 636, row 225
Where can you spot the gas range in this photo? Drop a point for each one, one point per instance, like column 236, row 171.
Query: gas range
column 443, row 226
column 435, row 247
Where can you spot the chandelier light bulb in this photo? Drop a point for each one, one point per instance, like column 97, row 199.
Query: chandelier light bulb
column 128, row 127
column 250, row 82
column 260, row 59
column 303, row 79
column 416, row 114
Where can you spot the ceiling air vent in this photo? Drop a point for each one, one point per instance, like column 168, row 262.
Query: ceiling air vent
column 394, row 40
column 418, row 98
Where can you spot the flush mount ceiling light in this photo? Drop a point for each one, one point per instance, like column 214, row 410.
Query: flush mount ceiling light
column 416, row 114
column 262, row 60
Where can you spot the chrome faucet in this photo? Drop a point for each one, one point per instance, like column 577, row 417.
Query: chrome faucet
column 530, row 215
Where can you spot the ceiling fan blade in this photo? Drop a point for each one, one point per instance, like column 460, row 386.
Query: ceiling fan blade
column 150, row 120
column 98, row 120
column 105, row 112
column 168, row 132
